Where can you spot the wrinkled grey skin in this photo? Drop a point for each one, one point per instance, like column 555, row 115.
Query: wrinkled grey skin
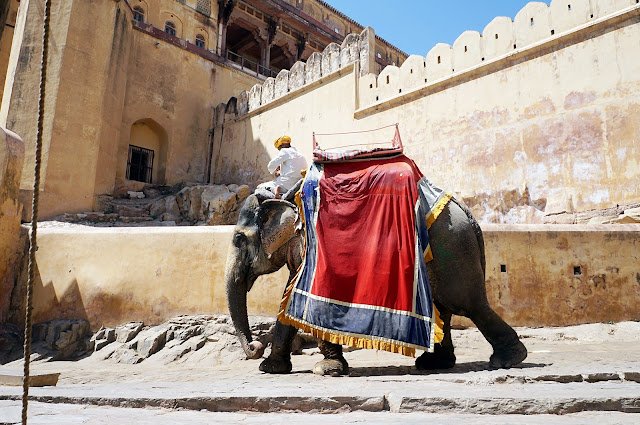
column 457, row 276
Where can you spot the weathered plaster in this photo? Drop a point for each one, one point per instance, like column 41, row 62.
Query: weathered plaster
column 11, row 157
column 152, row 274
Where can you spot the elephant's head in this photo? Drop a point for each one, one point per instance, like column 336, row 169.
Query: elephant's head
column 263, row 240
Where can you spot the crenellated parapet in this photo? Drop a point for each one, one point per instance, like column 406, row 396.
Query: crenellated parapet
column 534, row 24
column 502, row 38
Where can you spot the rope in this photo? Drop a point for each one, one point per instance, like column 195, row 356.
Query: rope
column 355, row 132
column 317, row 146
column 34, row 210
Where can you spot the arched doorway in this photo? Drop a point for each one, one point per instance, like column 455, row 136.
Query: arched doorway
column 147, row 152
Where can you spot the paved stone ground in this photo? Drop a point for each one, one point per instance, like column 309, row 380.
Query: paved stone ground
column 580, row 374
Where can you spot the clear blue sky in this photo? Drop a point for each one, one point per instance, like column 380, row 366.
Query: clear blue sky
column 415, row 26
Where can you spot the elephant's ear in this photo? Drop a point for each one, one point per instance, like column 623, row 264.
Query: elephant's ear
column 277, row 224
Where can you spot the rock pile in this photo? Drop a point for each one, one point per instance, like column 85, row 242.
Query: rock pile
column 184, row 338
column 53, row 340
column 191, row 204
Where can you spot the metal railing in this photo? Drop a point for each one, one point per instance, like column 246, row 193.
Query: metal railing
column 249, row 65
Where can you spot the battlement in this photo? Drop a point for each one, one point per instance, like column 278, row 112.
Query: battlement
column 502, row 37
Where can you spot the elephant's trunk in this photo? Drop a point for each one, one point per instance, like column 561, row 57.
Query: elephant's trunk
column 237, row 287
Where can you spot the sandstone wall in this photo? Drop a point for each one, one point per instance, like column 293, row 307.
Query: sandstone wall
column 10, row 8
column 145, row 274
column 532, row 118
column 103, row 76
column 11, row 156
column 552, row 275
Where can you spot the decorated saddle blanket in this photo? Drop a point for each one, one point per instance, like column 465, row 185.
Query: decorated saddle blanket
column 363, row 281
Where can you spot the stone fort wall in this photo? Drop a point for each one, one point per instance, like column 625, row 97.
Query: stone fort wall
column 530, row 119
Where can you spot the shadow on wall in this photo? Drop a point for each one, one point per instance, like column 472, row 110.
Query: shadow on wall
column 251, row 169
column 47, row 304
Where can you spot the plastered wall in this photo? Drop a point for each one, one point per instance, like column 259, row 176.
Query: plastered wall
column 535, row 117
column 153, row 274
column 103, row 76
column 11, row 156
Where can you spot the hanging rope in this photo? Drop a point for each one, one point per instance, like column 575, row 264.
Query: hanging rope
column 34, row 211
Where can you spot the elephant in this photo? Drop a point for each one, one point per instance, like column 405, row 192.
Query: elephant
column 265, row 239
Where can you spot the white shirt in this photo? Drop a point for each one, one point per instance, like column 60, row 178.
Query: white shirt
column 291, row 163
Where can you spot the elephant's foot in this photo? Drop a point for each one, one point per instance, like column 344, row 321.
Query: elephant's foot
column 441, row 358
column 331, row 367
column 276, row 365
column 508, row 357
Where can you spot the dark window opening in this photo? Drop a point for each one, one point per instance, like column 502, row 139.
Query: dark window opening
column 553, row 32
column 170, row 28
column 438, row 59
column 503, row 268
column 140, row 164
column 577, row 270
column 200, row 41
column 138, row 15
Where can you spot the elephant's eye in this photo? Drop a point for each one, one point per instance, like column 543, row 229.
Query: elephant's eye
column 239, row 239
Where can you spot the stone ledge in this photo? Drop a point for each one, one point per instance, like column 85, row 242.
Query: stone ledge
column 342, row 404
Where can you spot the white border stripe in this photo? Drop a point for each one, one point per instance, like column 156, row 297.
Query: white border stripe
column 362, row 306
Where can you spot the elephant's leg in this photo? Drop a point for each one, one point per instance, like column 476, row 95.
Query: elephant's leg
column 334, row 363
column 508, row 350
column 279, row 361
column 442, row 356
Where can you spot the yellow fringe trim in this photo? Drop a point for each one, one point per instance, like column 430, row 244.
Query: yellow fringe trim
column 428, row 255
column 437, row 209
column 350, row 340
column 431, row 218
column 438, row 324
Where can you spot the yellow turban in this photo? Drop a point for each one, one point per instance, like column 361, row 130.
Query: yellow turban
column 281, row 141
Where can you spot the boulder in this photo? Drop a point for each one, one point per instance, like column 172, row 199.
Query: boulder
column 150, row 341
column 126, row 333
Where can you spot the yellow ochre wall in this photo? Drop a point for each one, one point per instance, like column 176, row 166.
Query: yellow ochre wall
column 103, row 76
column 153, row 274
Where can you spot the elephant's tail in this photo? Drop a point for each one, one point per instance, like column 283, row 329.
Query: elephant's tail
column 476, row 229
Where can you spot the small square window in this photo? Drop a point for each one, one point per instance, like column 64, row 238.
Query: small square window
column 170, row 28
column 140, row 164
column 200, row 41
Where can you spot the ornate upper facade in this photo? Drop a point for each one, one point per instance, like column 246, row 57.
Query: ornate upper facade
column 258, row 36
